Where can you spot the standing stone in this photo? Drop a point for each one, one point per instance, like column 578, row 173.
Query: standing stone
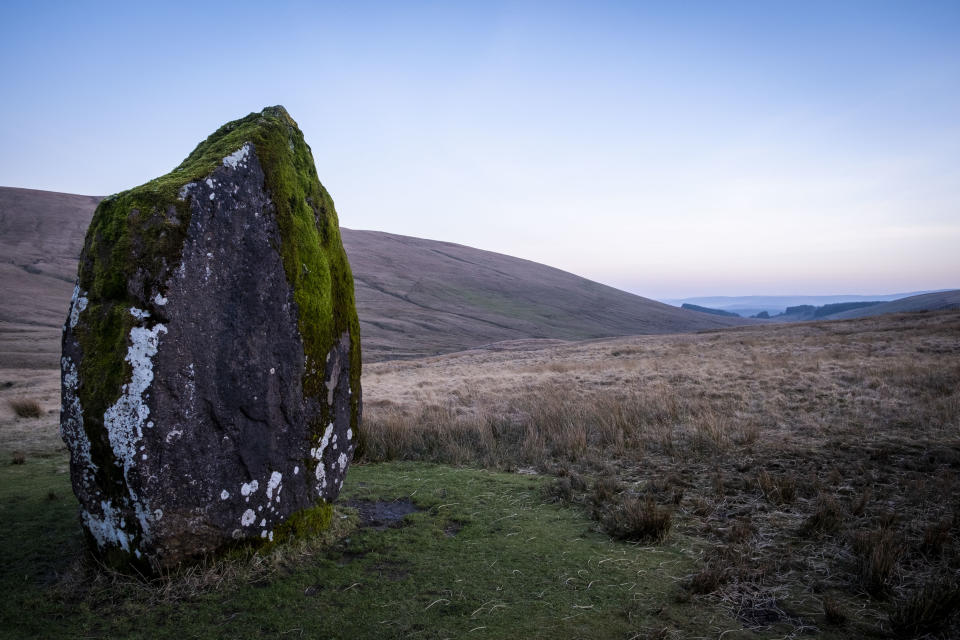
column 211, row 356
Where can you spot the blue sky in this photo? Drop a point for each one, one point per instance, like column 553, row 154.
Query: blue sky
column 670, row 149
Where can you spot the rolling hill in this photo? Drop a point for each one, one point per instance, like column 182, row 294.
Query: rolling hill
column 938, row 301
column 747, row 306
column 415, row 297
column 41, row 234
column 418, row 297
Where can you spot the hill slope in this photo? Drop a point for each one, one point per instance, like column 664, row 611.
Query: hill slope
column 415, row 297
column 925, row 302
column 418, row 297
column 41, row 234
column 747, row 306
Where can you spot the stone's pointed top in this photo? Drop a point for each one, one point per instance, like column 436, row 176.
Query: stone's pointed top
column 277, row 111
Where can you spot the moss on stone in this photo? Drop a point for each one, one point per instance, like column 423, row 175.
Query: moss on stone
column 135, row 241
column 306, row 523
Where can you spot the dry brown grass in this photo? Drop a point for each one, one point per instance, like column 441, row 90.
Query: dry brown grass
column 34, row 437
column 635, row 518
column 26, row 408
column 797, row 443
column 929, row 610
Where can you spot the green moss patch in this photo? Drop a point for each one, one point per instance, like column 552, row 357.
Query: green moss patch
column 306, row 523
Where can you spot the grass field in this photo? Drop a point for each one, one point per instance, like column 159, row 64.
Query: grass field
column 484, row 555
column 819, row 462
column 767, row 482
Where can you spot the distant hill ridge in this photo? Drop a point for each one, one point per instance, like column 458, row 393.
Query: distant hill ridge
column 414, row 297
column 747, row 306
column 810, row 312
column 938, row 301
column 716, row 312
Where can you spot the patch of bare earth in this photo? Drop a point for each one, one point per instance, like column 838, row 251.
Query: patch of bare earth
column 814, row 467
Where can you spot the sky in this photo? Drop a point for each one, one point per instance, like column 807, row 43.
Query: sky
column 668, row 149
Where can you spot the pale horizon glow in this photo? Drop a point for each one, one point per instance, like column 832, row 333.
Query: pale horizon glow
column 720, row 149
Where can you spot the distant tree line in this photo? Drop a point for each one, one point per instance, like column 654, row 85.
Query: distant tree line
column 716, row 312
column 810, row 312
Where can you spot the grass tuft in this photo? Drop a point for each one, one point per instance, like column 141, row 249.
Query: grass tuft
column 877, row 553
column 778, row 490
column 928, row 610
column 833, row 612
column 827, row 516
column 707, row 580
column 639, row 519
column 26, row 408
column 560, row 490
column 936, row 536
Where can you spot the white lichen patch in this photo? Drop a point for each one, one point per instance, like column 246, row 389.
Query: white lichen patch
column 317, row 454
column 71, row 421
column 159, row 300
column 248, row 488
column 139, row 314
column 248, row 517
column 77, row 304
column 296, row 470
column 124, row 421
column 274, row 482
column 224, row 495
column 107, row 529
column 185, row 190
column 237, row 158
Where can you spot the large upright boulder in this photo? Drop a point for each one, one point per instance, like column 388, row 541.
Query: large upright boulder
column 211, row 355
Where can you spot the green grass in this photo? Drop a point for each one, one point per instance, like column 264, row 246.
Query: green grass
column 485, row 557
